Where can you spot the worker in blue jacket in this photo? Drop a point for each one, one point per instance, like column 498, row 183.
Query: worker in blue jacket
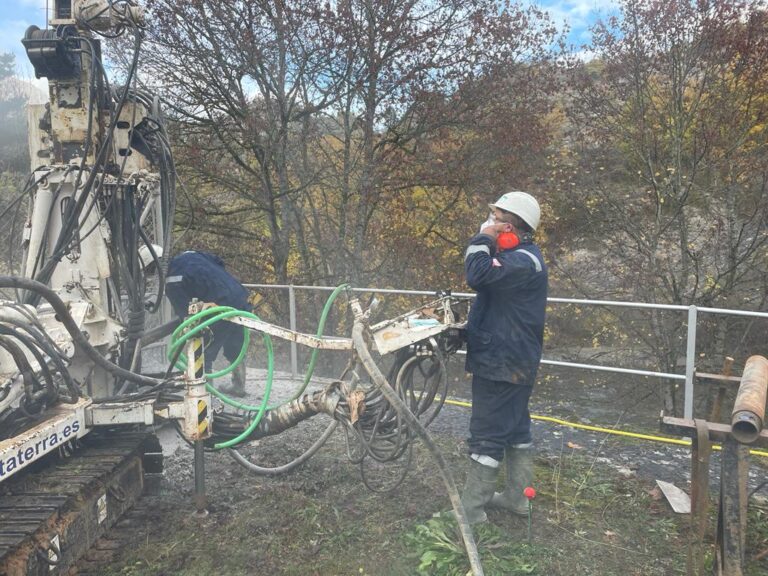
column 201, row 275
column 505, row 333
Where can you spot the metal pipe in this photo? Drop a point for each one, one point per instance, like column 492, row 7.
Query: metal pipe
column 749, row 408
column 693, row 313
column 200, row 499
column 690, row 362
column 600, row 368
column 550, row 300
column 292, row 323
column 397, row 403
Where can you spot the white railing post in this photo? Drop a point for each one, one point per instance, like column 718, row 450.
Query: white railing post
column 292, row 322
column 690, row 362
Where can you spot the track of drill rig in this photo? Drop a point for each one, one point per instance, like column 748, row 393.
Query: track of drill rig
column 50, row 516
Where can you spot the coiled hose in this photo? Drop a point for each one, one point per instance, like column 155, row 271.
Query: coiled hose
column 195, row 324
column 358, row 338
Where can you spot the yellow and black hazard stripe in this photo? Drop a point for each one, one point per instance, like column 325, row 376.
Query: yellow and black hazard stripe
column 197, row 357
column 202, row 417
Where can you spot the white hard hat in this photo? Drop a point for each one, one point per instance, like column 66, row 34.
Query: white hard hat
column 521, row 204
column 145, row 256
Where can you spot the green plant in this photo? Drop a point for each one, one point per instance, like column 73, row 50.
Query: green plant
column 439, row 549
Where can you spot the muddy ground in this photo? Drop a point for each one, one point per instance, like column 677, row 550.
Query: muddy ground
column 597, row 510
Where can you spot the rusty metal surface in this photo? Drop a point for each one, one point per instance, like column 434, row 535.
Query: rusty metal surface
column 724, row 378
column 749, row 407
column 732, row 517
column 700, row 456
column 717, row 432
column 732, row 512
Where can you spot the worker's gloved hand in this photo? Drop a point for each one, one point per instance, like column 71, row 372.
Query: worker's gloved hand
column 495, row 229
column 490, row 221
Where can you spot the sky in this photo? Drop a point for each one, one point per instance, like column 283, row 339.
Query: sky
column 17, row 15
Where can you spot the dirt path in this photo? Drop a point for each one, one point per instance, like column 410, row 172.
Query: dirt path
column 321, row 520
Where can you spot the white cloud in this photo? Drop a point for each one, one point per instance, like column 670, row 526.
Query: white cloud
column 578, row 15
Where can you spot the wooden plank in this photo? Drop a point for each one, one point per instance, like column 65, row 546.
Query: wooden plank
column 679, row 500
column 717, row 432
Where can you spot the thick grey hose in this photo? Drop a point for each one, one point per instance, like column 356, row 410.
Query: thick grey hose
column 394, row 399
column 276, row 471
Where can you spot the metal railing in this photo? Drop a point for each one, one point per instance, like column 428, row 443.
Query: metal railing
column 690, row 353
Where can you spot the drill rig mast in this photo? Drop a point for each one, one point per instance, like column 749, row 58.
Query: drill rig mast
column 102, row 187
column 107, row 184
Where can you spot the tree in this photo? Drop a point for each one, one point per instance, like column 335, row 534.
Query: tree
column 242, row 75
column 307, row 129
column 429, row 116
column 668, row 162
column 14, row 155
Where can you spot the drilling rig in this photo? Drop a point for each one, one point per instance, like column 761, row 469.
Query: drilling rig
column 75, row 403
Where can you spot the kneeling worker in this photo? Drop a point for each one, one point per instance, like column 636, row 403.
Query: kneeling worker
column 194, row 274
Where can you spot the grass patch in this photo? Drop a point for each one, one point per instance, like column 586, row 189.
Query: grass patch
column 321, row 521
column 587, row 520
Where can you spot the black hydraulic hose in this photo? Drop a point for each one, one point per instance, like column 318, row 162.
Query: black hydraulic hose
column 66, row 319
column 43, row 341
column 27, row 373
column 32, row 323
column 398, row 481
column 358, row 339
column 159, row 332
column 50, row 387
column 161, row 272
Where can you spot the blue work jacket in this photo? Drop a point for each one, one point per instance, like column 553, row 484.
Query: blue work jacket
column 505, row 328
column 202, row 275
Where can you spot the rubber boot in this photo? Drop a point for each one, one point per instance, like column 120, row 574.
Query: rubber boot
column 519, row 461
column 237, row 386
column 478, row 491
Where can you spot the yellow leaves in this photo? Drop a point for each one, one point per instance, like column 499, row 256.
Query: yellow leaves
column 757, row 130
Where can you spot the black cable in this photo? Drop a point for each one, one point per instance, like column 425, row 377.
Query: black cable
column 62, row 310
column 51, row 349
column 32, row 391
column 67, row 232
column 50, row 386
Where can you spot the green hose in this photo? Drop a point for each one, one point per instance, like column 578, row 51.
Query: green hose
column 320, row 329
column 217, row 313
column 178, row 339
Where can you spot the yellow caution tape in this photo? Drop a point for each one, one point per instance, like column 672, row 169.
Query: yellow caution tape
column 639, row 436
